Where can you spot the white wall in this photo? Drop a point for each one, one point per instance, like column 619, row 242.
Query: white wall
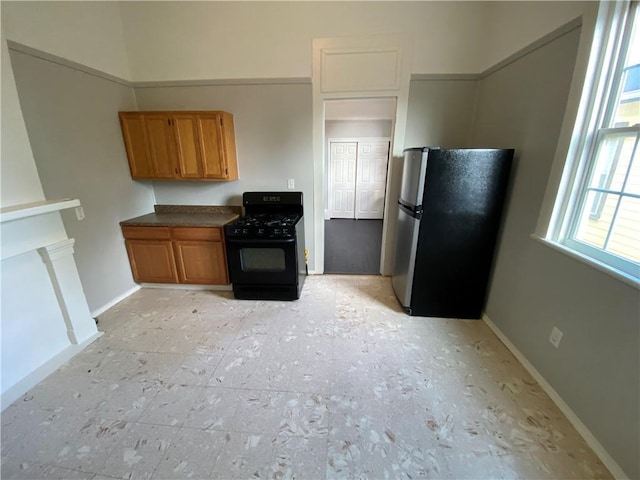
column 273, row 138
column 72, row 119
column 440, row 113
column 151, row 41
column 20, row 181
column 89, row 33
column 227, row 39
column 32, row 332
column 32, row 324
column 273, row 39
column 512, row 26
column 335, row 129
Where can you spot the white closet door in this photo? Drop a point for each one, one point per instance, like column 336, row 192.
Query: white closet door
column 371, row 179
column 342, row 178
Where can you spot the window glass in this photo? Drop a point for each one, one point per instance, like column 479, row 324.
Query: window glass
column 603, row 217
column 627, row 102
column 625, row 234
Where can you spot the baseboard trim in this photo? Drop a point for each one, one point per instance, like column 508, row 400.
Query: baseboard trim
column 27, row 383
column 582, row 429
column 99, row 311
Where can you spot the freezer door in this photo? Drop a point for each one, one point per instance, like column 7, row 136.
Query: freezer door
column 413, row 172
column 405, row 258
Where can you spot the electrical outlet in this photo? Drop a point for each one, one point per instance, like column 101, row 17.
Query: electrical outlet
column 80, row 213
column 291, row 184
column 555, row 337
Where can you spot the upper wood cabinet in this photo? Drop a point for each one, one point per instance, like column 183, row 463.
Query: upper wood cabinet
column 180, row 145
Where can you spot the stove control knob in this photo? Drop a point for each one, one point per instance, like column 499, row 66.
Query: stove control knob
column 245, row 231
column 260, row 232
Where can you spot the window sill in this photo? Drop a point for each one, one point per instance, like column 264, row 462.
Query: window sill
column 617, row 274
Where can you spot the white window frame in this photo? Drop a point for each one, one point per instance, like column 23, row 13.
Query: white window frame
column 602, row 76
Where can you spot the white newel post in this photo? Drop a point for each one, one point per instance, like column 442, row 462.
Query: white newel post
column 58, row 257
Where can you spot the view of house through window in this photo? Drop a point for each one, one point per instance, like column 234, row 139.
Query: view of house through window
column 605, row 222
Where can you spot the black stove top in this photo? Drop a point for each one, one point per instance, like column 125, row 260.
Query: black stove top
column 268, row 220
column 263, row 225
column 268, row 215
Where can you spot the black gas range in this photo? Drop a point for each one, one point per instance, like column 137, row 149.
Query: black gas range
column 265, row 247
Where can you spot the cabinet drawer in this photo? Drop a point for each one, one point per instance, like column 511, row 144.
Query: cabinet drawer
column 147, row 233
column 197, row 233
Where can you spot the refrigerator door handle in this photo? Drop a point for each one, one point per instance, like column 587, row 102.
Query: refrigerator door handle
column 413, row 211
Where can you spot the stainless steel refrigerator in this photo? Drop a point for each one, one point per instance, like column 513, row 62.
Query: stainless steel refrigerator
column 450, row 208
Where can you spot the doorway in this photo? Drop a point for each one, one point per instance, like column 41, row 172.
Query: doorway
column 357, row 144
column 367, row 68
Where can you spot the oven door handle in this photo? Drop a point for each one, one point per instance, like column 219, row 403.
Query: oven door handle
column 260, row 241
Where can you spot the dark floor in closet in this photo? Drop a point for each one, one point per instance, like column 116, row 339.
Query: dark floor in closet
column 352, row 246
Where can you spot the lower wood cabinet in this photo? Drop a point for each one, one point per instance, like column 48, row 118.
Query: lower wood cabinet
column 152, row 261
column 201, row 262
column 193, row 255
column 200, row 255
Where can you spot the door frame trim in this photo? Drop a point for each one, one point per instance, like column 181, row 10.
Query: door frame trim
column 402, row 45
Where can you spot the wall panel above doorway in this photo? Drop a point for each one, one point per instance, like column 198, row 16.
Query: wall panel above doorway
column 360, row 69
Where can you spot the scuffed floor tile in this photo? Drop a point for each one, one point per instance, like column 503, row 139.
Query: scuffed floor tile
column 338, row 384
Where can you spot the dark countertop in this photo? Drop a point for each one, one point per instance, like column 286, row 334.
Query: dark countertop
column 185, row 216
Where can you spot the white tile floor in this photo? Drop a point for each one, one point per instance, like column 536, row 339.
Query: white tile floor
column 339, row 384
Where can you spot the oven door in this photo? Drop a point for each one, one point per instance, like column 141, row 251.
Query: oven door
column 262, row 261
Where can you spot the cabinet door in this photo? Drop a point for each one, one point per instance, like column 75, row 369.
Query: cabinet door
column 213, row 160
column 152, row 261
column 161, row 145
column 135, row 142
column 201, row 262
column 187, row 148
column 228, row 146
